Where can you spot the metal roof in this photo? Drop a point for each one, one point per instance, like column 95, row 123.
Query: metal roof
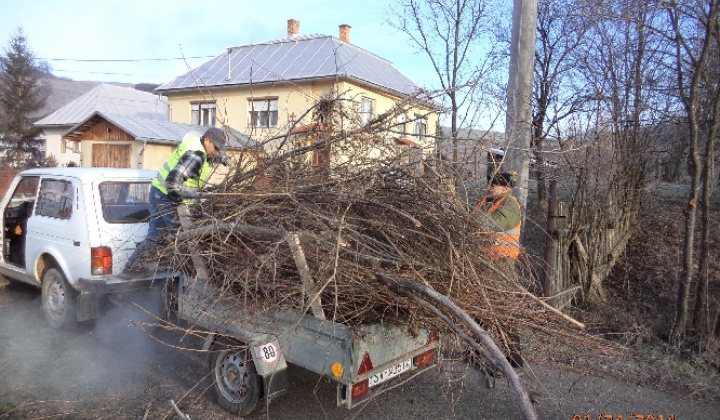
column 155, row 131
column 109, row 99
column 295, row 58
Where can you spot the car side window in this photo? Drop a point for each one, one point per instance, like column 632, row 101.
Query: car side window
column 56, row 199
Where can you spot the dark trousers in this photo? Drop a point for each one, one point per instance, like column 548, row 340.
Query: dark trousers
column 162, row 213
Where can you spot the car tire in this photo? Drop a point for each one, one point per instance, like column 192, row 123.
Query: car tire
column 235, row 379
column 59, row 300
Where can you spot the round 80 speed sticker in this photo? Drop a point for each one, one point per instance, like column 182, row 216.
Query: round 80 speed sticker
column 269, row 353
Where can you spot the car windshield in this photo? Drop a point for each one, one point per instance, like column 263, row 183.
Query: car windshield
column 125, row 202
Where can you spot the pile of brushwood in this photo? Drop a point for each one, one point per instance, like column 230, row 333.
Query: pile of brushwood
column 381, row 244
column 352, row 244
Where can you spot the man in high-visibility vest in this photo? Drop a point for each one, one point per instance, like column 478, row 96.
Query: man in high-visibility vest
column 183, row 175
column 503, row 211
column 505, row 219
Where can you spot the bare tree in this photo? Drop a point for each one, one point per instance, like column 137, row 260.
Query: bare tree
column 560, row 36
column 694, row 34
column 456, row 36
column 606, row 134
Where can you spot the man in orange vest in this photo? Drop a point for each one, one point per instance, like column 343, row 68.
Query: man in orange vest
column 503, row 210
column 505, row 219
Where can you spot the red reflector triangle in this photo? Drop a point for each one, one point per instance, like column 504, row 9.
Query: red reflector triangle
column 366, row 364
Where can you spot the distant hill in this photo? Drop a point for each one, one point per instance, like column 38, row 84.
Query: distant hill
column 61, row 91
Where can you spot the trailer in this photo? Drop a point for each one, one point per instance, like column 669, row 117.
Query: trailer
column 250, row 349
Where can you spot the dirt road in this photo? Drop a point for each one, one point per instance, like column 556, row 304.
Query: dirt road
column 117, row 371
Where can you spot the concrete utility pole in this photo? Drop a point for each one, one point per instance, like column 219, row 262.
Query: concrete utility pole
column 518, row 121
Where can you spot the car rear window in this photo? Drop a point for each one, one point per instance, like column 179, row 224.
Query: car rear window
column 125, row 202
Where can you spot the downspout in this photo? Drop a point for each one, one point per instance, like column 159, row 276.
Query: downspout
column 142, row 154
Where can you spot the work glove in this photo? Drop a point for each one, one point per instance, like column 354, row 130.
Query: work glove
column 177, row 197
column 174, row 197
column 222, row 159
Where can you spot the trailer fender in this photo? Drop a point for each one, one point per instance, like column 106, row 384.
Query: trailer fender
column 271, row 365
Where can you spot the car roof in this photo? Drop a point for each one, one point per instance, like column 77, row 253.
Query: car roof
column 91, row 174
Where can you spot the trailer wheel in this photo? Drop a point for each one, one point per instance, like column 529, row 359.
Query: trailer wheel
column 236, row 382
column 58, row 300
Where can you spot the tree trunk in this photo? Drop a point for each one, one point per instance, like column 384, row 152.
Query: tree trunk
column 700, row 315
column 694, row 95
column 677, row 333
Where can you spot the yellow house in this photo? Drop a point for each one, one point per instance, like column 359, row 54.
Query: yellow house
column 272, row 89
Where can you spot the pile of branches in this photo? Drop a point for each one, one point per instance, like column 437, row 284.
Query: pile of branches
column 328, row 243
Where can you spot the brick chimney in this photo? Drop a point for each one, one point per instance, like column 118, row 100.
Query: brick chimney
column 293, row 27
column 345, row 33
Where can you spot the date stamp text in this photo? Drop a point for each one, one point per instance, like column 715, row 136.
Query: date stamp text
column 625, row 417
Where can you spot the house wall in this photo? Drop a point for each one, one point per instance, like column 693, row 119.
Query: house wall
column 53, row 146
column 153, row 157
column 233, row 110
column 294, row 99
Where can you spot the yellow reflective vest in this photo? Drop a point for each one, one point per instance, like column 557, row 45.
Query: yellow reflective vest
column 191, row 142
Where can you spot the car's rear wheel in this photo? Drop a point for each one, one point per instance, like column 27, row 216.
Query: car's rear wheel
column 236, row 382
column 59, row 300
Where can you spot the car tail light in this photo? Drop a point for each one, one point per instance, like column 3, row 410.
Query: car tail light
column 101, row 261
column 362, row 388
column 424, row 359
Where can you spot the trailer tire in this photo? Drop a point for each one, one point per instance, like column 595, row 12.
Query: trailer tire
column 235, row 380
column 59, row 300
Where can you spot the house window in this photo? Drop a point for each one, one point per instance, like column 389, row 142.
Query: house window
column 420, row 127
column 203, row 114
column 401, row 124
column 69, row 145
column 366, row 110
column 263, row 112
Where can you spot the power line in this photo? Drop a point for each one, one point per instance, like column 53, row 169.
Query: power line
column 120, row 60
column 129, row 60
column 108, row 73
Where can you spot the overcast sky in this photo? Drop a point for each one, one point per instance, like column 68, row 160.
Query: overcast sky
column 153, row 34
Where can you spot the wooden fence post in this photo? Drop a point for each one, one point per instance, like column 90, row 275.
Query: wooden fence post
column 550, row 240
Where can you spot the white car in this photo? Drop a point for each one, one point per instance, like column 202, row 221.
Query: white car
column 69, row 231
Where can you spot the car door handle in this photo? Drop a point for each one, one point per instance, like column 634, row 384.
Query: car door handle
column 76, row 243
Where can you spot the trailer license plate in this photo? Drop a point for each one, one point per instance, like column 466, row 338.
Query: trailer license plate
column 390, row 372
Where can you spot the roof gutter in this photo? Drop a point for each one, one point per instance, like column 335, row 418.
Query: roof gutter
column 145, row 140
column 333, row 78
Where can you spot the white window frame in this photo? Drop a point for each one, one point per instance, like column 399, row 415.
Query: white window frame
column 367, row 106
column 420, row 129
column 401, row 127
column 203, row 113
column 263, row 113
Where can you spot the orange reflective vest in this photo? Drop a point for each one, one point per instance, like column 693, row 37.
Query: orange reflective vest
column 506, row 242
